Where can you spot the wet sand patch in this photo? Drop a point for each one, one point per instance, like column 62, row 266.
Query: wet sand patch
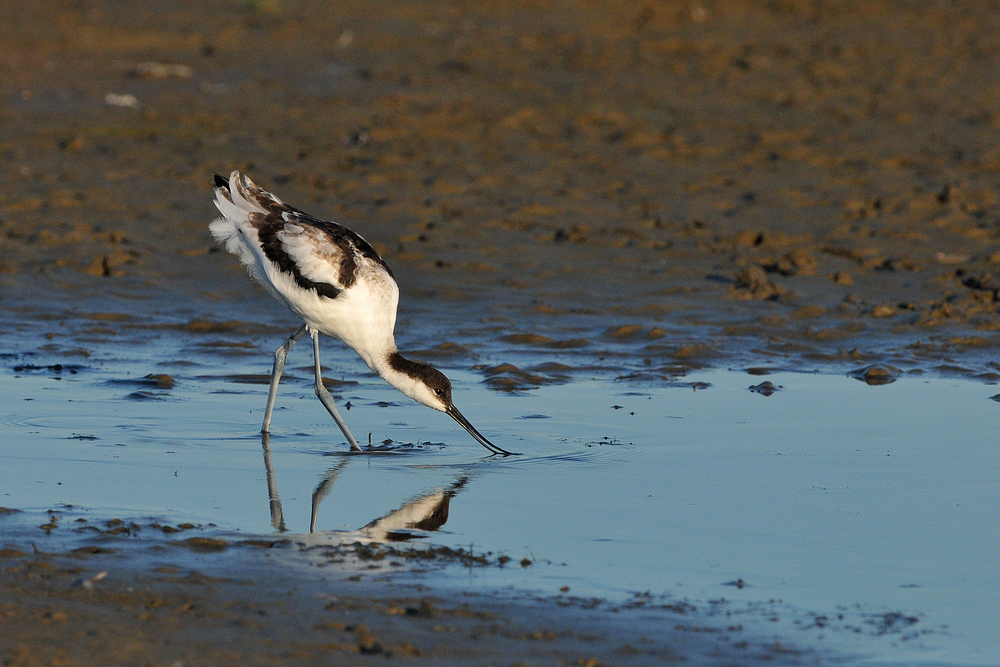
column 137, row 601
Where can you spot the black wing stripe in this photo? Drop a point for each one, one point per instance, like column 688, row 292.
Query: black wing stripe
column 349, row 242
column 267, row 234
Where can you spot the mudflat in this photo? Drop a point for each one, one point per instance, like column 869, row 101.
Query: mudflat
column 210, row 601
column 631, row 189
column 803, row 181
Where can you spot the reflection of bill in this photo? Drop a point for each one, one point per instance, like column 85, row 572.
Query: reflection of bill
column 323, row 490
column 425, row 513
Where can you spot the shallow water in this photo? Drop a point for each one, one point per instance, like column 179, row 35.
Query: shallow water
column 832, row 514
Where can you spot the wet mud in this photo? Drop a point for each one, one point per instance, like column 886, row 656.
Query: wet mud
column 117, row 592
column 564, row 190
column 690, row 184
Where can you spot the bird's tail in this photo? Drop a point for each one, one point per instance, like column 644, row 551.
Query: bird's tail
column 239, row 200
column 235, row 200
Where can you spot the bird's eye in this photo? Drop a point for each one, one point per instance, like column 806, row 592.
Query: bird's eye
column 439, row 392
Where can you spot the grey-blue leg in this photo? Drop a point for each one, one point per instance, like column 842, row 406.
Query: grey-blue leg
column 279, row 365
column 327, row 399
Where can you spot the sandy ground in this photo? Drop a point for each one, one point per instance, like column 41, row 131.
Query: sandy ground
column 806, row 183
column 121, row 595
column 792, row 184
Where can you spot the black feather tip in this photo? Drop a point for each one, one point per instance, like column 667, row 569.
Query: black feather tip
column 221, row 182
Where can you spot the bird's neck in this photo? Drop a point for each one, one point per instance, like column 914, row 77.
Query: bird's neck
column 374, row 350
column 379, row 359
column 393, row 367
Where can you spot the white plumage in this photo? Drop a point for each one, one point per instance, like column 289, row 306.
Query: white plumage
column 336, row 282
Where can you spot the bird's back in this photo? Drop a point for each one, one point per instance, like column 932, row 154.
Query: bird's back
column 327, row 274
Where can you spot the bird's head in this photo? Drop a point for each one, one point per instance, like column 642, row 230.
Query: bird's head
column 421, row 382
column 431, row 387
column 428, row 386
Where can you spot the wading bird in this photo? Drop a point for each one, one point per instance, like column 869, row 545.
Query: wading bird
column 336, row 282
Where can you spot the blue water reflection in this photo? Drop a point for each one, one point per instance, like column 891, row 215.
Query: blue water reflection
column 830, row 495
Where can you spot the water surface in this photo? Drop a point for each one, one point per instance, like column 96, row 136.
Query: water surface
column 831, row 514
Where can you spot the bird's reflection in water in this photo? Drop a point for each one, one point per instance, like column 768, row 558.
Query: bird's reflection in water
column 277, row 518
column 425, row 513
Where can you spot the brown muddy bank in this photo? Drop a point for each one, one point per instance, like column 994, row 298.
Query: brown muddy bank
column 80, row 592
column 784, row 184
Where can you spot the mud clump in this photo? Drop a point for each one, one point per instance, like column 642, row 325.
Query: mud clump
column 796, row 262
column 765, row 388
column 10, row 552
column 876, row 374
column 511, row 379
column 752, row 283
column 205, row 544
